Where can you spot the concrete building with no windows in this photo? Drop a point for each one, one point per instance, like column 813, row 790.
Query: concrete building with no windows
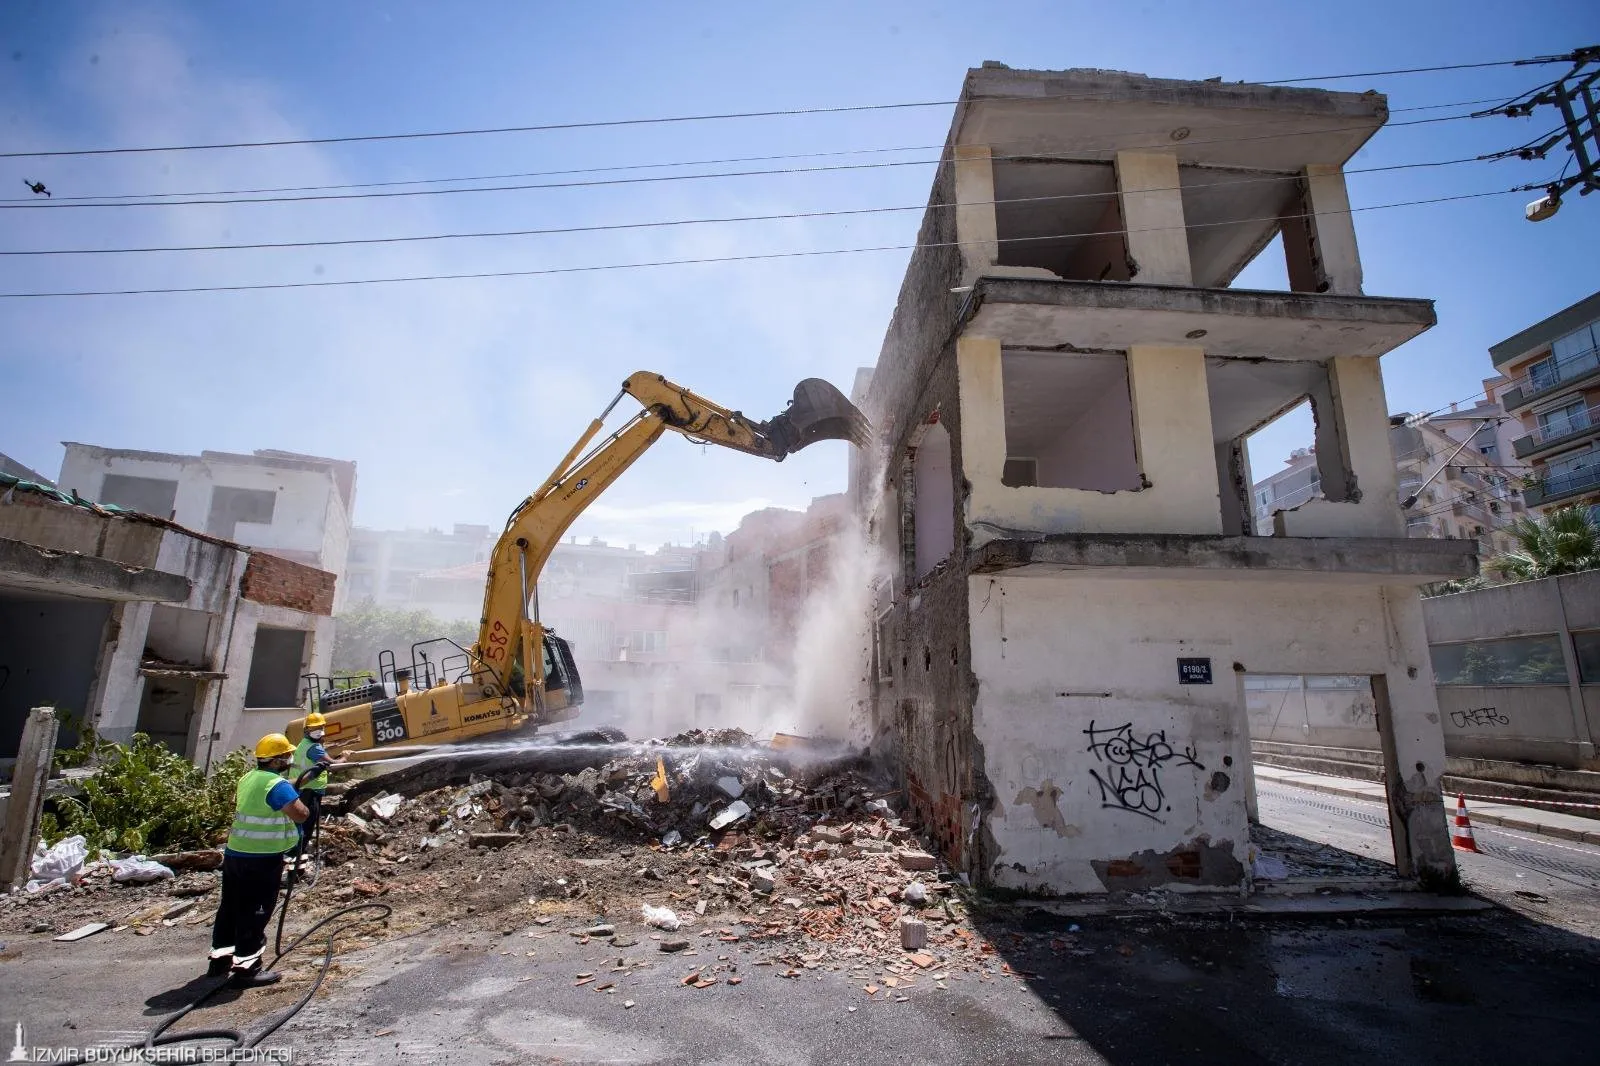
column 1080, row 588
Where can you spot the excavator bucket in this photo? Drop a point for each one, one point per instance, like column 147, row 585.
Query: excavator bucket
column 818, row 412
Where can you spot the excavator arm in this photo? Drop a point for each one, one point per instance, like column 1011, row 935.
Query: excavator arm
column 510, row 630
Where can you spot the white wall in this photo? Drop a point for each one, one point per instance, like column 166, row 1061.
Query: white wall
column 308, row 514
column 1045, row 648
column 226, row 723
column 1096, row 451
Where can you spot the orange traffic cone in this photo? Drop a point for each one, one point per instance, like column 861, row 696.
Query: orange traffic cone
column 1461, row 832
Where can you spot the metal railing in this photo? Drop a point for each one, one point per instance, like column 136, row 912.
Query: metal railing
column 1572, row 481
column 1583, row 420
column 1554, row 371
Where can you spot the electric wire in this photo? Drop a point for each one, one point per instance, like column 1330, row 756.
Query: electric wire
column 725, row 161
column 32, row 205
column 709, row 117
column 750, row 257
column 670, row 223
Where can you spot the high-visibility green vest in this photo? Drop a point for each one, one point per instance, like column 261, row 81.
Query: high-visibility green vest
column 257, row 828
column 300, row 762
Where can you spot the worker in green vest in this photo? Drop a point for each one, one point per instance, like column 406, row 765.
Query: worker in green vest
column 308, row 771
column 266, row 820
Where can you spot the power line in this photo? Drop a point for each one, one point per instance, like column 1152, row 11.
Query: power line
column 711, row 117
column 611, row 169
column 753, row 257
column 29, row 205
column 662, row 224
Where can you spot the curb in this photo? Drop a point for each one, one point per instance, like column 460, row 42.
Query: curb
column 1560, row 832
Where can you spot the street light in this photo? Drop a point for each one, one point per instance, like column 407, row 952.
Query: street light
column 1544, row 207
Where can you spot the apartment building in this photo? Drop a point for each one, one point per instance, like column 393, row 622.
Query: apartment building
column 385, row 564
column 1554, row 367
column 1063, row 397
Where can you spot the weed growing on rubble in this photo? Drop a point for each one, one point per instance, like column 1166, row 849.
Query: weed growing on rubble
column 145, row 799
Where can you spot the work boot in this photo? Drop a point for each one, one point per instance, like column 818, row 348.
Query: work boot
column 254, row 978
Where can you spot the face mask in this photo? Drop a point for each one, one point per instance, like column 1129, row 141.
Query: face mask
column 316, row 734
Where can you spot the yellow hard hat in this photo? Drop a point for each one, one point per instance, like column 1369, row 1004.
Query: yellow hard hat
column 273, row 745
column 314, row 720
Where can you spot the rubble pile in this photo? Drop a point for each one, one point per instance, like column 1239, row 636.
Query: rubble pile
column 792, row 853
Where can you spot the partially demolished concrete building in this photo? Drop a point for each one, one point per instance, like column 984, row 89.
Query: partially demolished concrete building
column 128, row 622
column 1079, row 587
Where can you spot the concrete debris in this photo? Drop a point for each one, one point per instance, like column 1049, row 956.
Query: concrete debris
column 731, row 787
column 730, row 814
column 84, row 931
column 811, row 875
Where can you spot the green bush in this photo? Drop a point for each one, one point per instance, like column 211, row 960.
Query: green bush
column 146, row 799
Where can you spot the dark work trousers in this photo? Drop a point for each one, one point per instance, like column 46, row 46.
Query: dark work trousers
column 313, row 801
column 249, row 893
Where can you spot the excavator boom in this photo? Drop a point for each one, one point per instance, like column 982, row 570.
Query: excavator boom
column 516, row 671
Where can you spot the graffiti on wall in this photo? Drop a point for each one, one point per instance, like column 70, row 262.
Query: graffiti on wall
column 1129, row 774
column 1478, row 716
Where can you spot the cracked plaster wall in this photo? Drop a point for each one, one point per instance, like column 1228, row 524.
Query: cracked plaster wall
column 1155, row 795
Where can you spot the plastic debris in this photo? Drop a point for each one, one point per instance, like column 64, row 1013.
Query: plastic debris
column 916, row 894
column 57, row 865
column 661, row 918
column 671, row 839
column 730, row 814
column 138, row 869
column 386, row 806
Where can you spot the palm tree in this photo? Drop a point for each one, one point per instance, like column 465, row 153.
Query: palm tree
column 1562, row 541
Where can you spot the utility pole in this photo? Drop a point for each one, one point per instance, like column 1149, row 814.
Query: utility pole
column 1574, row 96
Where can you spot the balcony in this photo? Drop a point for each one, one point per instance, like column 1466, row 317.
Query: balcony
column 1550, row 377
column 1559, row 434
column 1561, row 487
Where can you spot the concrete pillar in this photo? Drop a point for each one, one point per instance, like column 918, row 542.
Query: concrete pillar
column 1412, row 739
column 1152, row 211
column 113, row 708
column 1172, row 430
column 1362, row 409
column 1319, row 243
column 976, row 228
column 1354, row 457
column 1581, row 734
column 1233, row 482
column 35, row 755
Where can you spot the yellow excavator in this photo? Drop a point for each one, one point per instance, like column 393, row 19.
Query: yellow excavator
column 519, row 674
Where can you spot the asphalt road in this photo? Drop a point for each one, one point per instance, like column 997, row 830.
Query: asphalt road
column 1511, row 985
column 1554, row 882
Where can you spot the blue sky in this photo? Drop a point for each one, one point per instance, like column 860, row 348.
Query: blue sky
column 455, row 397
